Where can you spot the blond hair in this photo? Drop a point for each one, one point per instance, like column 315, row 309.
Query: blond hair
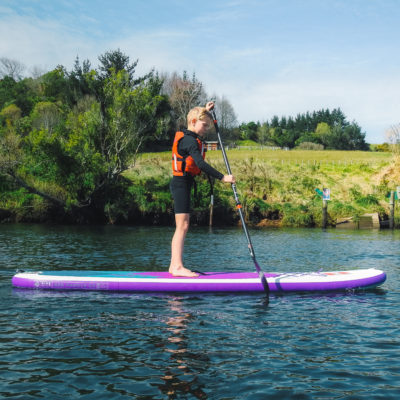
column 199, row 113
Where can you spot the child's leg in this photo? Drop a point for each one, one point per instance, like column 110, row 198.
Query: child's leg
column 176, row 267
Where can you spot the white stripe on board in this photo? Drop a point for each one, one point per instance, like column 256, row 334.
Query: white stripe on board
column 337, row 276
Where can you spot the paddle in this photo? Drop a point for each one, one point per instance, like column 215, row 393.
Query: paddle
column 239, row 208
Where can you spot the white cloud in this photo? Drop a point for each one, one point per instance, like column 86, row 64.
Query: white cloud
column 372, row 105
column 41, row 42
column 48, row 43
column 259, row 79
column 164, row 50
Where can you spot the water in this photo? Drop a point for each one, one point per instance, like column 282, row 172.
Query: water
column 73, row 345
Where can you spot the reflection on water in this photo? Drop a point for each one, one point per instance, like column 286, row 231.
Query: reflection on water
column 96, row 345
column 179, row 378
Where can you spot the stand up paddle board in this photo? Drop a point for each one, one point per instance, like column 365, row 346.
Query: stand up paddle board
column 207, row 282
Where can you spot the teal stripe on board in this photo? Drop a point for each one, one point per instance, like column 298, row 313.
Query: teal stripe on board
column 97, row 274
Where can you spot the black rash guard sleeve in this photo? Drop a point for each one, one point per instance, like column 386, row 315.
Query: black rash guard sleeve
column 188, row 147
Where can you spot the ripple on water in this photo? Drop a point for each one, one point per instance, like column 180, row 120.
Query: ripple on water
column 115, row 345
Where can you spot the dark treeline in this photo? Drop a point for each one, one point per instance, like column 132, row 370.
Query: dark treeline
column 67, row 137
column 319, row 129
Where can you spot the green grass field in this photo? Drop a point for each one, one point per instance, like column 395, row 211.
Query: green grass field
column 292, row 156
column 281, row 184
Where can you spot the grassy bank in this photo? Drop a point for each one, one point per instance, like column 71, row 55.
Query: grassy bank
column 278, row 187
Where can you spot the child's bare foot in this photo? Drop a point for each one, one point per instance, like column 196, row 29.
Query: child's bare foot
column 182, row 271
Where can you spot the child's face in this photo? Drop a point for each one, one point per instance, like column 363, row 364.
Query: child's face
column 200, row 126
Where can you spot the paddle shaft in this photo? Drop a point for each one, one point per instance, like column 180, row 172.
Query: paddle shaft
column 239, row 208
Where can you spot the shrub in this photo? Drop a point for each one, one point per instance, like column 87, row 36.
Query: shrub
column 367, row 200
column 310, row 146
column 297, row 216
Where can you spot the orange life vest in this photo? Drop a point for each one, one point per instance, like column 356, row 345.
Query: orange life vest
column 185, row 165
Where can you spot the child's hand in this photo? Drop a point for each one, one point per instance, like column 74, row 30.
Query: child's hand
column 210, row 105
column 228, row 179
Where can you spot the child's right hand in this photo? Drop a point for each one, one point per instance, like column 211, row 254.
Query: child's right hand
column 228, row 179
column 210, row 105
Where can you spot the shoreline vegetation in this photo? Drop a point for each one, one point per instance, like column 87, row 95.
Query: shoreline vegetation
column 85, row 146
column 276, row 188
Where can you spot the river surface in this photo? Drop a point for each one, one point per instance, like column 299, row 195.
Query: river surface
column 96, row 345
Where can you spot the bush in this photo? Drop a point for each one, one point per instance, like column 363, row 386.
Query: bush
column 310, row 146
column 384, row 147
column 368, row 200
column 296, row 216
column 247, row 143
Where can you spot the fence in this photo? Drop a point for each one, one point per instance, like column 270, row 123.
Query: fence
column 314, row 162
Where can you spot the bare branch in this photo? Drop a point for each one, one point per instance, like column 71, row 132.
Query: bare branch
column 184, row 94
column 11, row 68
column 393, row 135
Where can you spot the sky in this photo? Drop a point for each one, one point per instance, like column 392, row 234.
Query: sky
column 267, row 57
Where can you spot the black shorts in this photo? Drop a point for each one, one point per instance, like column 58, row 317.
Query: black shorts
column 181, row 187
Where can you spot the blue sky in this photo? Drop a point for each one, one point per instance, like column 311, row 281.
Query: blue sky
column 267, row 57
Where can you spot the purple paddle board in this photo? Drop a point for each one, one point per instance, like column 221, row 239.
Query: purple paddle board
column 209, row 282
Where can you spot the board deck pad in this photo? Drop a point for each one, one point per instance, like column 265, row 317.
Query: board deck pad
column 156, row 281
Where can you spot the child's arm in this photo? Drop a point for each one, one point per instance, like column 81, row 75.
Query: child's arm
column 194, row 151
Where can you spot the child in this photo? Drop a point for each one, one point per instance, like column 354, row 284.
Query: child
column 188, row 152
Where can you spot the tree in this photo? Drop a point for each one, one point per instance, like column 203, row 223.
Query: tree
column 14, row 163
column 275, row 122
column 338, row 118
column 132, row 117
column 184, row 94
column 10, row 152
column 284, row 138
column 355, row 137
column 323, row 134
column 79, row 145
column 115, row 61
column 263, row 134
column 226, row 117
column 225, row 113
column 11, row 114
column 105, row 139
column 17, row 92
column 331, row 129
column 393, row 136
column 56, row 86
column 248, row 131
column 11, row 68
column 46, row 115
column 78, row 80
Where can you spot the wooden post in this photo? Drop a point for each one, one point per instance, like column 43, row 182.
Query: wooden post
column 211, row 210
column 324, row 213
column 391, row 203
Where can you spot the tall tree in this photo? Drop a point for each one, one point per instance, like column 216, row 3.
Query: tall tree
column 184, row 94
column 115, row 61
column 226, row 116
column 78, row 80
